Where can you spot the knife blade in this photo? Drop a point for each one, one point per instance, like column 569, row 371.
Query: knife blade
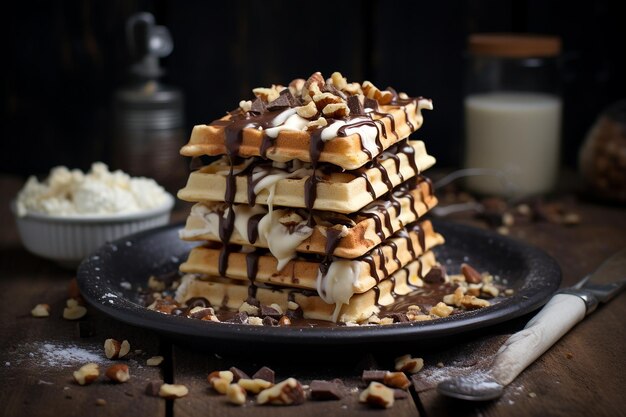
column 566, row 308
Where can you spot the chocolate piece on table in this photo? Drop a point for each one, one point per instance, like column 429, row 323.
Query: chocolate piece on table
column 373, row 375
column 239, row 318
column 326, row 390
column 436, row 275
column 153, row 388
column 238, row 374
column 270, row 321
column 355, row 105
column 398, row 317
column 264, row 373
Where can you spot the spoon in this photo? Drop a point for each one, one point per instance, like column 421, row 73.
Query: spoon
column 476, row 387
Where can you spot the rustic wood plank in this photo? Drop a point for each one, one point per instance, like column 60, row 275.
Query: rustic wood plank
column 191, row 369
column 38, row 355
column 572, row 376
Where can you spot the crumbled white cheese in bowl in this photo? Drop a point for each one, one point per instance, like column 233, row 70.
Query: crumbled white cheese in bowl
column 99, row 192
column 71, row 214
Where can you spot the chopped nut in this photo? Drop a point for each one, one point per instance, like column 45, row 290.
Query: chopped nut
column 313, row 84
column 40, row 310
column 254, row 386
column 248, row 308
column 337, row 80
column 441, row 310
column 295, row 87
column 374, row 319
column 408, row 364
column 371, row 91
column 87, row 374
column 308, row 111
column 118, row 373
column 288, row 392
column 377, row 395
column 267, row 94
column 471, row 275
column 124, row 349
column 386, row 320
column 491, row 290
column 473, row 289
column 220, row 380
column 454, row 299
column 414, row 316
column 403, row 96
column 509, row 291
column 74, row 313
column 352, row 89
column 396, row 380
column 316, row 124
column 508, row 220
column 284, row 321
column 71, row 302
column 112, row 348
column 571, row 219
column 245, row 105
column 155, row 361
column 255, row 321
column 236, row 394
column 503, row 230
column 470, row 302
column 322, row 100
column 336, row 110
column 292, row 305
column 101, row 401
column 173, row 391
column 156, row 284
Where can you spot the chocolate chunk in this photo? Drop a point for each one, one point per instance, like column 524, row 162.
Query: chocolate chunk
column 238, row 374
column 269, row 321
column 202, row 313
column 253, row 301
column 282, row 102
column 326, row 390
column 239, row 318
column 400, row 394
column 373, row 375
column 471, row 275
column 258, row 106
column 153, row 388
column 370, row 103
column 398, row 317
column 267, row 311
column 295, row 314
column 436, row 275
column 264, row 373
column 293, row 102
column 355, row 105
column 197, row 302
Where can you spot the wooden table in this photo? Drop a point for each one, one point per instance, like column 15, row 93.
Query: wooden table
column 582, row 375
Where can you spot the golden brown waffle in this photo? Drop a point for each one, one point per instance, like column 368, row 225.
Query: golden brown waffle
column 363, row 230
column 231, row 294
column 342, row 192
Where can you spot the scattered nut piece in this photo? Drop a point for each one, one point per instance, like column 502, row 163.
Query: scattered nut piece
column 155, row 361
column 316, row 124
column 173, row 391
column 292, row 305
column 220, row 380
column 236, row 394
column 288, row 392
column 313, row 84
column 471, row 302
column 267, row 94
column 441, row 310
column 156, row 284
column 491, row 290
column 101, row 401
column 254, row 386
column 371, row 91
column 408, row 364
column 118, row 373
column 339, row 81
column 396, row 380
column 284, row 321
column 352, row 89
column 472, row 276
column 71, row 302
column 112, row 348
column 336, row 110
column 74, row 313
column 377, row 395
column 124, row 349
column 245, row 105
column 255, row 321
column 41, row 310
column 87, row 374
column 295, row 87
column 532, row 394
column 509, row 291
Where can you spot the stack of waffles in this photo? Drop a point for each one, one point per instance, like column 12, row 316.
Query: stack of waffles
column 314, row 207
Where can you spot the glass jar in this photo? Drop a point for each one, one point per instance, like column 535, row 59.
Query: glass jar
column 512, row 114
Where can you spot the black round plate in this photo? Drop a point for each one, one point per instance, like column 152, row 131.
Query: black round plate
column 529, row 271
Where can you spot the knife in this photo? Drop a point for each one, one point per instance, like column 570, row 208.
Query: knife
column 566, row 308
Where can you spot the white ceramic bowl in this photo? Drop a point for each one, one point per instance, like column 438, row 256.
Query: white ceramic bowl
column 69, row 239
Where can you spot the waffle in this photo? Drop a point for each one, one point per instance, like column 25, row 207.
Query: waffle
column 341, row 192
column 361, row 231
column 231, row 294
column 343, row 277
column 368, row 136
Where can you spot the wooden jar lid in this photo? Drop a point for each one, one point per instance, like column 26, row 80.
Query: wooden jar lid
column 509, row 45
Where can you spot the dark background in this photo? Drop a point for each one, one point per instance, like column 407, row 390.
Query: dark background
column 65, row 60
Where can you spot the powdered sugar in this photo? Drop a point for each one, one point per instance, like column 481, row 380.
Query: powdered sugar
column 57, row 355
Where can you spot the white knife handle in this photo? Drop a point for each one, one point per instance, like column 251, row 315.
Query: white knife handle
column 556, row 318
